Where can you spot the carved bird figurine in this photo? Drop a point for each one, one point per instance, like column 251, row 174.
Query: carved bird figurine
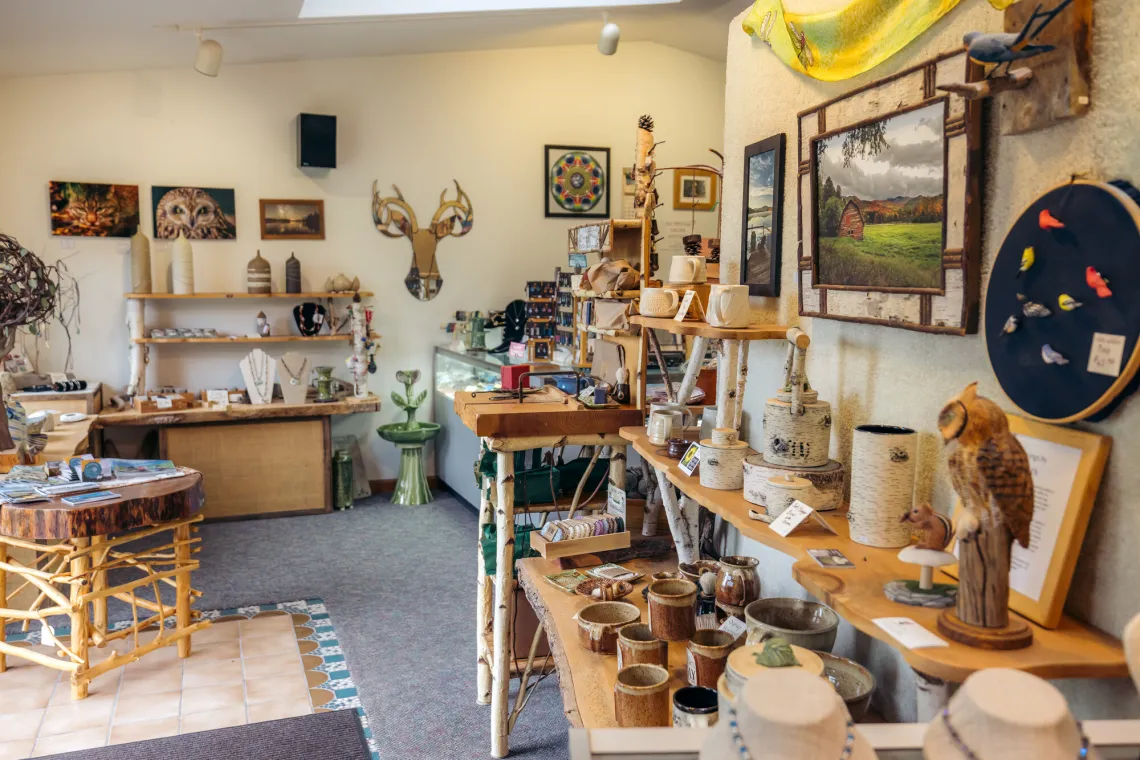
column 1068, row 303
column 988, row 467
column 1032, row 308
column 1049, row 355
column 1008, row 47
column 1027, row 259
column 934, row 527
column 1010, row 325
column 1048, row 222
column 1097, row 282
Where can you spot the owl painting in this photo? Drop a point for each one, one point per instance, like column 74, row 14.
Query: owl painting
column 198, row 213
column 988, row 467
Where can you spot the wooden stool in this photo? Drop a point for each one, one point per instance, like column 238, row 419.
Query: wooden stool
column 71, row 575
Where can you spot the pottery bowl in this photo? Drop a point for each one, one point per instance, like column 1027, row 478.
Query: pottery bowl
column 805, row 624
column 694, row 570
column 598, row 624
column 853, row 682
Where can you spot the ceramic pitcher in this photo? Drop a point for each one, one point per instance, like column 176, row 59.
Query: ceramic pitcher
column 737, row 583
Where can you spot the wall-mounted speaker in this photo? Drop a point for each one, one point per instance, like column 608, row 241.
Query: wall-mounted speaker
column 316, row 141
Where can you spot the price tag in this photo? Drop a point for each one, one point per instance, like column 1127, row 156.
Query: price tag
column 616, row 502
column 735, row 626
column 517, row 350
column 686, row 302
column 1107, row 354
column 162, row 402
column 909, row 633
column 691, row 460
column 219, row 398
column 794, row 516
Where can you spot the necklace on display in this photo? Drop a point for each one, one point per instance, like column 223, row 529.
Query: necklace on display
column 1082, row 753
column 744, row 754
column 260, row 379
column 295, row 377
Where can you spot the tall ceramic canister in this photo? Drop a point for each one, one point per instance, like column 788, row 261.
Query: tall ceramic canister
column 258, row 277
column 882, row 484
column 182, row 266
column 292, row 274
column 140, row 263
column 797, row 425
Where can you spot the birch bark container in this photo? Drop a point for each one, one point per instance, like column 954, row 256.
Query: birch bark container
column 882, row 484
column 797, row 439
column 722, row 467
column 140, row 263
column 782, row 490
column 827, row 482
column 182, row 266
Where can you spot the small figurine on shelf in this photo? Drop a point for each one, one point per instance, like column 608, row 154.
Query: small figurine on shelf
column 929, row 553
column 262, row 325
column 341, row 284
column 932, row 526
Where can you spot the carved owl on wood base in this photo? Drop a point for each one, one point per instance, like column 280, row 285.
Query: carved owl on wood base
column 988, row 467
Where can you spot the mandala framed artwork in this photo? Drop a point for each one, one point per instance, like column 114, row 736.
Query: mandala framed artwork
column 576, row 181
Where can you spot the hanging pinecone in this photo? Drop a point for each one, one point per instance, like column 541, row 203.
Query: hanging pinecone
column 646, row 123
column 692, row 244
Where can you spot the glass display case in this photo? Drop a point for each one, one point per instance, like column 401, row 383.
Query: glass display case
column 455, row 371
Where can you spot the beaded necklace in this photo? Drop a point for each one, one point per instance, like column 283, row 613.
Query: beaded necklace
column 969, row 753
column 742, row 749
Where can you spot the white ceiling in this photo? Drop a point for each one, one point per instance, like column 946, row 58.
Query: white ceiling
column 61, row 36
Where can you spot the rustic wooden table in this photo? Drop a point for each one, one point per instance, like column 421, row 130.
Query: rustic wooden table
column 70, row 574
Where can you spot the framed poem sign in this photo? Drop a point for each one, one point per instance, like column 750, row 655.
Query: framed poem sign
column 1067, row 467
column 890, row 215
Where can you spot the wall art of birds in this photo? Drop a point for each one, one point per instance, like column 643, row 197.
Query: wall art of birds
column 989, row 469
column 1068, row 303
column 1050, row 356
column 1097, row 282
column 1005, row 48
column 1047, row 221
column 1010, row 325
column 1028, row 256
column 1032, row 308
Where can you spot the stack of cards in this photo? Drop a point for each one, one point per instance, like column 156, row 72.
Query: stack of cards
column 80, row 499
column 614, row 572
column 583, row 527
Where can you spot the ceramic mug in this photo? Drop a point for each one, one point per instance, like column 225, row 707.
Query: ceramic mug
column 671, row 614
column 641, row 697
column 695, row 707
column 681, row 414
column 658, row 302
column 708, row 652
column 810, row 625
column 728, row 306
column 737, row 583
column 599, row 623
column 660, row 427
column 685, row 270
column 638, row 646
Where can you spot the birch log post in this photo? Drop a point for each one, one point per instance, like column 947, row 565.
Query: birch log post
column 727, row 369
column 652, row 500
column 683, row 529
column 79, row 635
column 136, row 381
column 693, row 371
column 359, row 358
column 504, row 602
column 741, row 379
column 182, row 590
column 484, row 597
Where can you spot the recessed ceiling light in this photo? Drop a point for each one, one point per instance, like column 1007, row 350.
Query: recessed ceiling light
column 335, row 8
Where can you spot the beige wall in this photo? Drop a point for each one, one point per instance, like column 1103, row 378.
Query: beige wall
column 416, row 121
column 883, row 375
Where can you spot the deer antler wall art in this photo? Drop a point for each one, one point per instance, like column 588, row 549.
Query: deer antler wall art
column 394, row 218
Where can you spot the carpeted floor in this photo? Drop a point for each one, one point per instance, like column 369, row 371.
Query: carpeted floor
column 399, row 583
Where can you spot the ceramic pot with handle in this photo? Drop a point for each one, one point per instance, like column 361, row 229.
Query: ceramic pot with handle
column 737, row 584
column 810, row 625
column 658, row 302
column 728, row 306
column 687, row 270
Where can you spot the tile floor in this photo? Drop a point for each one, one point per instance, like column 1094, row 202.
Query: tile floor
column 240, row 671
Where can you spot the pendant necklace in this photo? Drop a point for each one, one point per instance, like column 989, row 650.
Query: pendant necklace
column 295, row 377
column 1082, row 753
column 744, row 754
column 259, row 379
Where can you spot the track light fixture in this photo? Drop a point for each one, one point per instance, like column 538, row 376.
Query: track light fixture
column 608, row 40
column 209, row 59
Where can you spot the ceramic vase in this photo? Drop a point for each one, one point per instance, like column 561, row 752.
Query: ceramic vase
column 324, row 384
column 882, row 484
column 182, row 266
column 258, row 277
column 292, row 274
column 140, row 263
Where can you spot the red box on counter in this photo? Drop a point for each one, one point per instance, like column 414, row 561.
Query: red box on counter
column 510, row 375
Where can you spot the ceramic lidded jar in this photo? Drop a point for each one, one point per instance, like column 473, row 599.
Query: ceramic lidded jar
column 737, row 584
column 258, row 277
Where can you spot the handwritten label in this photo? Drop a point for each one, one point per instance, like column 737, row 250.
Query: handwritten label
column 616, row 502
column 686, row 302
column 220, row 398
column 1107, row 354
column 692, row 458
column 735, row 626
column 162, row 402
column 517, row 350
column 796, row 513
column 909, row 633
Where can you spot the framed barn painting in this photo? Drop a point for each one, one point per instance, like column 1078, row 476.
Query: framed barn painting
column 762, row 216
column 577, row 182
column 889, row 222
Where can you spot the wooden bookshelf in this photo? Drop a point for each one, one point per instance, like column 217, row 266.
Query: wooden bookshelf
column 223, row 296
column 247, row 339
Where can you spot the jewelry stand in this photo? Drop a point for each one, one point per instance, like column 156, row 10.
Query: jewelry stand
column 1000, row 712
column 259, row 372
column 925, row 592
column 294, row 370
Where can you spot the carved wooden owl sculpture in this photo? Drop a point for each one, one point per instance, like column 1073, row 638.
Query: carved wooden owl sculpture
column 988, row 467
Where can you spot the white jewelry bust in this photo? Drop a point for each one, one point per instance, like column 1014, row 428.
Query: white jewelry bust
column 259, row 372
column 1006, row 714
column 787, row 714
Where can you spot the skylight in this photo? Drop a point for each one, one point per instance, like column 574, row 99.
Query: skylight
column 338, row 8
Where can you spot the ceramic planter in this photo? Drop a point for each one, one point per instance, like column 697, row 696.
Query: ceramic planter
column 804, row 624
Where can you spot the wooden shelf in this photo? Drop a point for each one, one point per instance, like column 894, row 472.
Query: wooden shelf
column 237, row 412
column 752, row 332
column 594, row 330
column 247, row 339
column 624, row 295
column 1072, row 650
column 221, row 296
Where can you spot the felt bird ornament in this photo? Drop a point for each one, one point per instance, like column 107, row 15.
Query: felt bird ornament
column 988, row 467
column 1032, row 308
column 1049, row 222
column 1052, row 357
column 1027, row 259
column 1068, row 303
column 1005, row 48
column 1097, row 282
column 1010, row 325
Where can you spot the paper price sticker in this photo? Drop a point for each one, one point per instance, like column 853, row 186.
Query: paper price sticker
column 616, row 505
column 735, row 626
column 686, row 302
column 1107, row 354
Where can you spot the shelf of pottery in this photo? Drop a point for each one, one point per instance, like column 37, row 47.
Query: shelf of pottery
column 315, row 322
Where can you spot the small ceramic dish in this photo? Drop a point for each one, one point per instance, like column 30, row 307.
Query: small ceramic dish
column 595, row 588
column 853, row 682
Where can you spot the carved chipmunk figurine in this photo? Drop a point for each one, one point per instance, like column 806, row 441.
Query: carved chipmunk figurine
column 935, row 527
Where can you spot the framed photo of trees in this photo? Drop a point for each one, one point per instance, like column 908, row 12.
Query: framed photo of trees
column 762, row 216
column 889, row 219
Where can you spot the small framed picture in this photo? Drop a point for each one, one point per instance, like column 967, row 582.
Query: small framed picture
column 576, row 181
column 762, row 214
column 292, row 220
column 695, row 189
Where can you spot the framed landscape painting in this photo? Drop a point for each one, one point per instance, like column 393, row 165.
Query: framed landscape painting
column 292, row 220
column 577, row 181
column 762, row 216
column 890, row 218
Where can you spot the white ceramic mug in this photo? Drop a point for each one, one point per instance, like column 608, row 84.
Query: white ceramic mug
column 660, row 427
column 681, row 414
column 728, row 306
column 658, row 302
column 687, row 269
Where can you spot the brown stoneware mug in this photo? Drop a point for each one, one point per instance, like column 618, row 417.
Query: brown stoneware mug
column 708, row 652
column 598, row 624
column 638, row 646
column 671, row 615
column 641, row 697
column 737, row 584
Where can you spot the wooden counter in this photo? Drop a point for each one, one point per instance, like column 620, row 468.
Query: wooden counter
column 549, row 413
column 1072, row 650
column 587, row 678
column 239, row 412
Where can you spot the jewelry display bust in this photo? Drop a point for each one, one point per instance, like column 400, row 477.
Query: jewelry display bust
column 787, row 713
column 294, row 369
column 1006, row 714
column 259, row 372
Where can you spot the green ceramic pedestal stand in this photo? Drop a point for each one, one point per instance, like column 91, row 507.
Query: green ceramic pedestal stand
column 411, row 486
column 410, row 437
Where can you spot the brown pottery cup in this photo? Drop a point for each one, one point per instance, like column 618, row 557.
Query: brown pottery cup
column 708, row 652
column 638, row 646
column 737, row 584
column 641, row 697
column 671, row 614
column 598, row 624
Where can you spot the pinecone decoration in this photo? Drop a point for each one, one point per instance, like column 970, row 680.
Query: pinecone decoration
column 646, row 123
column 714, row 250
column 692, row 244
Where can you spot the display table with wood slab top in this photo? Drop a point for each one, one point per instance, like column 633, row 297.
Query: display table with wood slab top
column 547, row 418
column 70, row 577
column 258, row 460
column 1071, row 650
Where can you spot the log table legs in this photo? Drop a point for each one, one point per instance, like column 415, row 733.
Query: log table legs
column 484, row 598
column 504, row 600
